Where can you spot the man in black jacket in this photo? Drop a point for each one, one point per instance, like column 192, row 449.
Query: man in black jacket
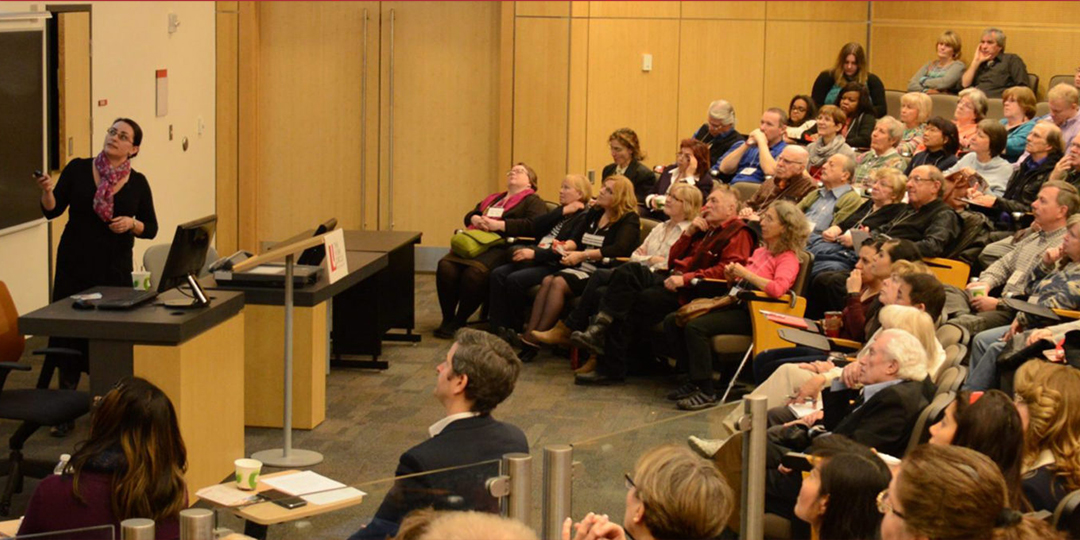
column 479, row 372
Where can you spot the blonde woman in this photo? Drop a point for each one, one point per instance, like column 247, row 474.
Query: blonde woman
column 915, row 108
column 970, row 110
column 942, row 74
column 1049, row 398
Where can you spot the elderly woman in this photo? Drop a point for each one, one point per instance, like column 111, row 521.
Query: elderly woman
column 627, row 160
column 462, row 283
column 691, row 168
column 610, row 229
column 942, row 74
column 1049, row 395
column 855, row 102
column 771, row 268
column 834, row 250
column 882, row 153
column 829, row 141
column 941, row 142
column 802, row 113
column 1018, row 105
column 510, row 283
column 985, row 159
column 915, row 109
column 850, row 67
column 970, row 110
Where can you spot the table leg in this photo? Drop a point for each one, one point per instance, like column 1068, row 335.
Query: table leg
column 255, row 530
column 110, row 361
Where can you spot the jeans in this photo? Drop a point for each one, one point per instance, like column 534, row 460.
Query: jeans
column 693, row 343
column 985, row 349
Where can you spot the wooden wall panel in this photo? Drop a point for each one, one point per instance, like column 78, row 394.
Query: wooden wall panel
column 228, row 27
column 541, row 94
column 623, row 9
column 796, row 52
column 224, row 6
column 248, row 127
column 542, row 9
column 579, row 89
column 702, row 81
column 817, row 11
column 579, row 8
column 981, row 13
column 723, row 10
column 622, row 95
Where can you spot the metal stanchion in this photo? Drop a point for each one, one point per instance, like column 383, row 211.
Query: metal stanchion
column 558, row 481
column 753, row 489
column 197, row 524
column 137, row 529
column 518, row 467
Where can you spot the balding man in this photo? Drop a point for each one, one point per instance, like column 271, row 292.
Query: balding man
column 718, row 132
column 790, row 183
column 753, row 160
column 1064, row 101
column 992, row 70
column 836, row 199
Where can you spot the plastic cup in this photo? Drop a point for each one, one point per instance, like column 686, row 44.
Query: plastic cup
column 140, row 280
column 833, row 322
column 247, row 473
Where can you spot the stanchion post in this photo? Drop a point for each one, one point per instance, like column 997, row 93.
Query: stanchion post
column 558, row 483
column 753, row 489
column 518, row 467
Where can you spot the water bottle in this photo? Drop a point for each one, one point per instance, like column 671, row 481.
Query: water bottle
column 64, row 459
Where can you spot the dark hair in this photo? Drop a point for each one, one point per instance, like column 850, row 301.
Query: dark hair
column 135, row 426
column 901, row 249
column 852, row 477
column 949, row 131
column 865, row 106
column 992, row 426
column 701, row 154
column 136, row 133
column 628, row 138
column 491, row 366
column 811, row 108
column 996, row 133
column 928, row 291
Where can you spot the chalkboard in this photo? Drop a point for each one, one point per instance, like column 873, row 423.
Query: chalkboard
column 22, row 125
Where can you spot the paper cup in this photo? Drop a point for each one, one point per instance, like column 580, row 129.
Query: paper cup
column 140, row 281
column 247, row 473
column 978, row 290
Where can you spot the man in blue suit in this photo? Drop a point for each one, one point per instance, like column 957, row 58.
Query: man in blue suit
column 452, row 466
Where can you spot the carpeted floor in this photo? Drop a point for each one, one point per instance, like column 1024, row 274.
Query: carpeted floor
column 373, row 416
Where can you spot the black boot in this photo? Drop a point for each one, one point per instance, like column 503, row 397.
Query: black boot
column 1031, row 352
column 592, row 339
column 1072, row 348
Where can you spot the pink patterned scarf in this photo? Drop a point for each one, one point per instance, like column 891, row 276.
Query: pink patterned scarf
column 110, row 176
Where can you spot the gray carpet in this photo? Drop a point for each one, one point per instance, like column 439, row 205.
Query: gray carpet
column 373, row 416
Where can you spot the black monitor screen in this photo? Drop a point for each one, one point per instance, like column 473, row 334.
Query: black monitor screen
column 187, row 255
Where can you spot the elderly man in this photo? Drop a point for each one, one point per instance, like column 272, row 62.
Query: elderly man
column 835, row 200
column 479, row 372
column 882, row 153
column 753, row 160
column 1068, row 167
column 790, row 183
column 638, row 299
column 718, row 132
column 992, row 70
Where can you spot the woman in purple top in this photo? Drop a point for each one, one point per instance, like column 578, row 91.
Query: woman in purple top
column 132, row 466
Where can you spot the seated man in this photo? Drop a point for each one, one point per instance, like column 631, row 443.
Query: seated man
column 746, row 160
column 718, row 132
column 835, row 200
column 1064, row 101
column 1068, row 167
column 1044, row 149
column 479, row 372
column 790, row 183
column 975, row 227
column 992, row 70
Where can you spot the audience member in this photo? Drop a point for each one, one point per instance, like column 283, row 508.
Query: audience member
column 790, row 183
column 475, row 526
column 855, row 102
column 829, row 141
column 975, row 227
column 479, row 373
column 746, row 160
column 461, row 282
column 802, row 115
column 1049, row 396
column 835, row 200
column 1064, row 101
column 718, row 131
column 1018, row 106
column 131, row 466
column 691, row 167
column 834, row 249
column 984, row 158
column 970, row 110
column 941, row 141
column 837, row 496
column 850, row 67
column 952, row 492
column 882, row 153
column 915, row 109
column 992, row 70
column 942, row 74
column 1044, row 149
column 1067, row 168
column 627, row 156
column 928, row 221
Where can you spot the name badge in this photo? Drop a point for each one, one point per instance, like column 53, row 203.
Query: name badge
column 546, row 241
column 494, row 212
column 749, row 171
column 592, row 240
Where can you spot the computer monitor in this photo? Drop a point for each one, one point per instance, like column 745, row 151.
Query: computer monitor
column 187, row 256
column 314, row 255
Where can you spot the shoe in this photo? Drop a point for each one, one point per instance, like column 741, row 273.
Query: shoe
column 698, row 401
column 509, row 336
column 594, row 378
column 588, row 367
column 445, row 331
column 528, row 354
column 592, row 339
column 682, row 392
column 707, row 448
column 61, row 430
column 559, row 336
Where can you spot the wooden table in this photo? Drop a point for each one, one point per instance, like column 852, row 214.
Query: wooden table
column 267, row 513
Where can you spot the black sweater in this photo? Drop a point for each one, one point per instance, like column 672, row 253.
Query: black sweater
column 519, row 219
column 620, row 238
column 825, row 82
column 641, row 176
column 1023, row 188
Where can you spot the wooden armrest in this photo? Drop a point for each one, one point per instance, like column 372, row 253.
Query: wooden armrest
column 1068, row 313
column 845, row 343
column 14, row 366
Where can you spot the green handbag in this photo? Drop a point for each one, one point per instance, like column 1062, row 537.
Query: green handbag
column 471, row 243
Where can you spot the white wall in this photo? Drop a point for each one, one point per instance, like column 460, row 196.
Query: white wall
column 130, row 42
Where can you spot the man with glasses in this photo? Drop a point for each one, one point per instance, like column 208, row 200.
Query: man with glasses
column 992, row 70
column 790, row 183
column 718, row 132
column 836, row 199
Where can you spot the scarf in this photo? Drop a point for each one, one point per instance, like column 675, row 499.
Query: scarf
column 506, row 202
column 820, row 152
column 110, row 176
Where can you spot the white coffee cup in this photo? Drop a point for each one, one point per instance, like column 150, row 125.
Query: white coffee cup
column 140, row 280
column 247, row 473
column 978, row 290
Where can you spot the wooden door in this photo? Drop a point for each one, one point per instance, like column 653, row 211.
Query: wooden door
column 73, row 77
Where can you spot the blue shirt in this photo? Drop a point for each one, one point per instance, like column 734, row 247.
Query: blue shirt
column 821, row 212
column 749, row 169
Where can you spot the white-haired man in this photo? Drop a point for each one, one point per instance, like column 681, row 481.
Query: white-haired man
column 718, row 132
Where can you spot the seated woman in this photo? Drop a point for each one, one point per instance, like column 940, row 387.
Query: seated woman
column 850, row 67
column 985, row 159
column 953, row 492
column 915, row 108
column 510, row 283
column 970, row 110
column 941, row 141
column 837, row 497
column 987, row 423
column 882, row 153
column 131, row 466
column 627, row 160
column 829, row 141
column 1018, row 105
column 942, row 74
column 462, row 283
column 833, row 249
column 691, row 168
column 802, row 113
column 855, row 102
column 1049, row 396
column 772, row 269
column 610, row 229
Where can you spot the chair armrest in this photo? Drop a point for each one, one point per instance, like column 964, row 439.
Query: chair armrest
column 56, row 350
column 1068, row 313
column 520, row 240
column 845, row 343
column 14, row 366
column 709, row 286
column 758, row 296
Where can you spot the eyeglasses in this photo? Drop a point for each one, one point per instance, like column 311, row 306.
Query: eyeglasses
column 629, row 481
column 122, row 135
column 919, row 179
column 516, row 170
column 884, row 506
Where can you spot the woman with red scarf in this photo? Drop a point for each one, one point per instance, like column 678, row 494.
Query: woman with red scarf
column 109, row 204
column 463, row 283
